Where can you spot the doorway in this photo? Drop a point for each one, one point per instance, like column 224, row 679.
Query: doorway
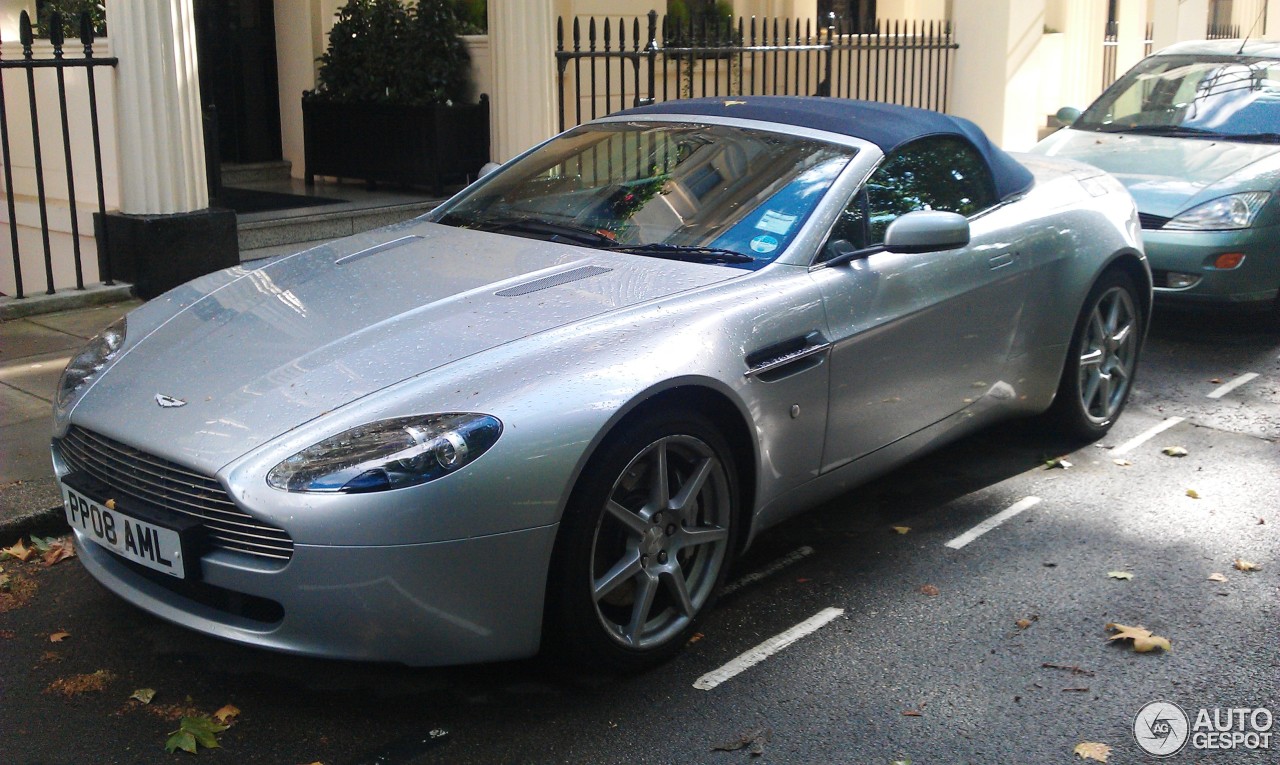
column 236, row 46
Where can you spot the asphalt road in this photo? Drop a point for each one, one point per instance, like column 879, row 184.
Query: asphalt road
column 900, row 674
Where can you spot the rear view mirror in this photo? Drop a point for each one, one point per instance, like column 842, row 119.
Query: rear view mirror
column 927, row 231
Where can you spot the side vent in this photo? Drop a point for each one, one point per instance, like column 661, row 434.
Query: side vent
column 554, row 280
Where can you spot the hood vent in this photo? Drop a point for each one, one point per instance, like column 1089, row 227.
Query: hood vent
column 554, row 280
column 377, row 248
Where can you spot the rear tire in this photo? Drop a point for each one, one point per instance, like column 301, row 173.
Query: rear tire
column 1101, row 360
column 644, row 543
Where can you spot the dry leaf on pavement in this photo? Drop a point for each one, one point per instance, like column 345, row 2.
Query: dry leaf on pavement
column 1175, row 451
column 1092, row 750
column 58, row 551
column 929, row 590
column 902, row 529
column 1119, row 574
column 17, row 550
column 1240, row 564
column 226, row 714
column 1193, row 494
column 58, row 637
column 1143, row 640
column 1216, row 577
column 145, row 695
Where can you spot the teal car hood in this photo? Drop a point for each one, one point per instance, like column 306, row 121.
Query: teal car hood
column 1168, row 175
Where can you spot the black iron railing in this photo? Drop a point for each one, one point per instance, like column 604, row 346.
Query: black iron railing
column 60, row 64
column 1222, row 32
column 903, row 62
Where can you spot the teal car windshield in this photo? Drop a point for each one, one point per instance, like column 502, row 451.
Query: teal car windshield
column 1215, row 97
column 703, row 193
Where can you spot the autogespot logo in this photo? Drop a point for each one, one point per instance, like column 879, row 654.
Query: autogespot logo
column 1160, row 728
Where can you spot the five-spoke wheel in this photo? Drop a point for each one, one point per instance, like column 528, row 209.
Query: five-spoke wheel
column 645, row 541
column 1102, row 359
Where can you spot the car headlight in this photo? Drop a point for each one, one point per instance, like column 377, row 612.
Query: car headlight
column 1221, row 214
column 388, row 454
column 88, row 362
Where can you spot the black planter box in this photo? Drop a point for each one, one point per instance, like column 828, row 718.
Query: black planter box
column 156, row 253
column 429, row 146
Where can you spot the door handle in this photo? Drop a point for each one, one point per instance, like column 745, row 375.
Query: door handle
column 1001, row 260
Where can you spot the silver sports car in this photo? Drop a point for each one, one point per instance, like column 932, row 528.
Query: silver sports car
column 550, row 412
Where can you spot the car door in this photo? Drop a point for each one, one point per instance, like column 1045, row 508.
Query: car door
column 916, row 337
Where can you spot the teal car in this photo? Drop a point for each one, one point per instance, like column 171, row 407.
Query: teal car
column 1193, row 132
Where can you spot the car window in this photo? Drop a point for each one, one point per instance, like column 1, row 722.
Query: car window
column 1215, row 96
column 657, row 189
column 932, row 173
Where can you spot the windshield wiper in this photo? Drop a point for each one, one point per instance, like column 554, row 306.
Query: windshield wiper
column 538, row 228
column 1165, row 130
column 687, row 253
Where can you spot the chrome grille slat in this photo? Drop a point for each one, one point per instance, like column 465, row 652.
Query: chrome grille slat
column 164, row 491
column 171, row 487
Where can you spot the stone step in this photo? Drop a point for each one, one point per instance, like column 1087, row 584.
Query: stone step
column 289, row 229
column 248, row 173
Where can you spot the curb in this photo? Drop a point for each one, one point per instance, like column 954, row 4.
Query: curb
column 50, row 522
column 65, row 300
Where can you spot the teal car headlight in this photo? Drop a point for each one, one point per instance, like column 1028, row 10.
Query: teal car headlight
column 88, row 362
column 1233, row 211
column 388, row 454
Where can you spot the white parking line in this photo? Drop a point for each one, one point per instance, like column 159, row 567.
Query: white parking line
column 769, row 570
column 1236, row 383
column 992, row 522
column 1145, row 436
column 745, row 661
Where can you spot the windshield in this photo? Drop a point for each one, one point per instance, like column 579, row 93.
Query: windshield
column 1197, row 96
column 707, row 193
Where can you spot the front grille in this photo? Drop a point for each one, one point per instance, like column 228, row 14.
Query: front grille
column 1152, row 222
column 171, row 487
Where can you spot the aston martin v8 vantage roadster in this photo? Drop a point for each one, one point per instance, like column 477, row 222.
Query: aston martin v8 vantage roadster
column 550, row 412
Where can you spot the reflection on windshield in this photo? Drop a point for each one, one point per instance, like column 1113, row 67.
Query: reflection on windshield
column 678, row 185
column 1195, row 96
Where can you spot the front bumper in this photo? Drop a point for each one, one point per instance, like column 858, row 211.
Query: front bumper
column 465, row 601
column 1253, row 284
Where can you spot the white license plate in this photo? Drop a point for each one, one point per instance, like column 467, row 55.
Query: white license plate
column 145, row 543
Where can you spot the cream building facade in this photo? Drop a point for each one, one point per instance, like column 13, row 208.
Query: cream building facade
column 1018, row 61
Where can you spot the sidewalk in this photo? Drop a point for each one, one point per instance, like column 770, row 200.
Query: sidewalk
column 33, row 352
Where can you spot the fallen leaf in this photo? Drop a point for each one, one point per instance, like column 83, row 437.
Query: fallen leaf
column 902, row 529
column 1119, row 574
column 78, row 684
column 58, row 637
column 41, row 544
column 1241, row 564
column 1193, row 494
column 145, row 695
column 912, row 713
column 16, row 550
column 696, row 637
column 1216, row 381
column 226, row 714
column 59, row 550
column 755, row 739
column 1174, row 451
column 111, row 504
column 192, row 733
column 1023, row 623
column 1057, row 462
column 1092, row 750
column 1143, row 640
column 929, row 590
column 1122, row 462
column 1216, row 577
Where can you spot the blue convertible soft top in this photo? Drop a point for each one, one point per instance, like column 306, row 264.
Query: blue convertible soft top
column 886, row 125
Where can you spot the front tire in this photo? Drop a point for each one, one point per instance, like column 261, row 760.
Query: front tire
column 644, row 543
column 1102, row 359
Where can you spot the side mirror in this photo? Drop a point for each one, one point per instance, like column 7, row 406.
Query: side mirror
column 1067, row 115
column 927, row 231
column 488, row 167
